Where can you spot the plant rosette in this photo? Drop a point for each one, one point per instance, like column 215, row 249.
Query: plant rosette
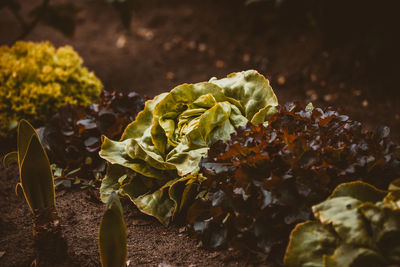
column 155, row 163
column 37, row 78
column 358, row 225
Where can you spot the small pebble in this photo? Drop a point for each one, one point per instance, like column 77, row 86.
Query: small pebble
column 328, row 97
column 313, row 77
column 281, row 80
column 176, row 39
column 214, row 255
column 170, row 76
column 145, row 33
column 121, row 41
column 167, row 46
column 219, row 64
column 246, row 58
column 192, row 45
column 202, row 47
column 312, row 95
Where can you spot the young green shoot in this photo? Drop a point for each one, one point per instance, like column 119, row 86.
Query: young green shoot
column 112, row 234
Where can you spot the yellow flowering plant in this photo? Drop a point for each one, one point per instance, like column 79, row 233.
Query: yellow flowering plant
column 37, row 78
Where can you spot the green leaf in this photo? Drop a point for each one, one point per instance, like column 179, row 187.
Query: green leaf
column 189, row 191
column 35, row 171
column 58, row 182
column 73, row 172
column 171, row 198
column 187, row 162
column 392, row 200
column 18, row 189
column 36, row 176
column 310, row 106
column 10, row 158
column 57, row 172
column 342, row 213
column 263, row 115
column 12, row 125
column 157, row 204
column 359, row 190
column 349, row 256
column 25, row 132
column 385, row 226
column 110, row 181
column 144, row 119
column 136, row 186
column 112, row 234
column 251, row 89
column 395, row 185
column 116, row 153
column 308, row 242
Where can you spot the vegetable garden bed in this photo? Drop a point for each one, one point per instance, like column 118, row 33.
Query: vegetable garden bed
column 312, row 74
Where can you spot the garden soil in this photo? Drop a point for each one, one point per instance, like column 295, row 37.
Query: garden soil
column 173, row 42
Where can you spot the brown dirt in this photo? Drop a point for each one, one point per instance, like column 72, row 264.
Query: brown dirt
column 172, row 42
column 149, row 242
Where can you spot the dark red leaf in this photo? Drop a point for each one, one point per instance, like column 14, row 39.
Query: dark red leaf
column 72, row 136
column 264, row 180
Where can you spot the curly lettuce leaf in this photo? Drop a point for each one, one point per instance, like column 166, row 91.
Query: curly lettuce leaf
column 364, row 223
column 174, row 131
column 342, row 213
column 309, row 235
column 358, row 190
column 253, row 92
column 349, row 256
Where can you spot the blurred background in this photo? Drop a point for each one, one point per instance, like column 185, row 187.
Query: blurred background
column 341, row 53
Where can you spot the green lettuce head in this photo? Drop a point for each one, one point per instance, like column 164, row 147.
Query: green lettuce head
column 357, row 226
column 156, row 161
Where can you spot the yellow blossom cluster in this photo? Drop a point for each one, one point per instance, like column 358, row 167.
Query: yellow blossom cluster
column 36, row 79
